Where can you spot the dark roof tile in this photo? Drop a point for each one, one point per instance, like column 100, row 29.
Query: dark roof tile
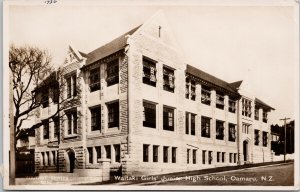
column 109, row 48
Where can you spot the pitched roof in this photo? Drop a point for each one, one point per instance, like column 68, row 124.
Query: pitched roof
column 236, row 84
column 109, row 48
column 260, row 102
column 83, row 54
column 210, row 78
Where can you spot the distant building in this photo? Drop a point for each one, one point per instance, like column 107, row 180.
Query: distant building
column 137, row 103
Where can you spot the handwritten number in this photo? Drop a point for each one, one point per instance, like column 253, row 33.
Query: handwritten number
column 50, row 1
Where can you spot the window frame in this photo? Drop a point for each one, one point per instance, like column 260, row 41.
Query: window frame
column 205, row 95
column 149, row 72
column 95, row 84
column 113, row 109
column 149, row 114
column 168, row 118
column 168, row 79
column 95, row 118
column 112, row 72
column 207, row 127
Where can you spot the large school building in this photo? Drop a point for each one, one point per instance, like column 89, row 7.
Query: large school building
column 137, row 104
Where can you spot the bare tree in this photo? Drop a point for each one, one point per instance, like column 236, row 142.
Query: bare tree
column 29, row 66
column 34, row 81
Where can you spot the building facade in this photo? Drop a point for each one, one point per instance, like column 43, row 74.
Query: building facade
column 135, row 103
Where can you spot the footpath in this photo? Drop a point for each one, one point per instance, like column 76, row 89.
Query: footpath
column 154, row 178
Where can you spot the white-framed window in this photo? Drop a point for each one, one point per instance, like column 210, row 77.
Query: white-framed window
column 71, row 122
column 168, row 118
column 168, row 79
column 71, row 85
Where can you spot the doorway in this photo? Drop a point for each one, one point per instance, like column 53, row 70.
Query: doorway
column 245, row 150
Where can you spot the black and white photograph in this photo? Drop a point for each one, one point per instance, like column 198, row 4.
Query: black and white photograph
column 150, row 95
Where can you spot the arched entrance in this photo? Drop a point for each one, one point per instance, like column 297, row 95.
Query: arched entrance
column 245, row 150
column 70, row 160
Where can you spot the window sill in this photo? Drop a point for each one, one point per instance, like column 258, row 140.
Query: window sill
column 70, row 136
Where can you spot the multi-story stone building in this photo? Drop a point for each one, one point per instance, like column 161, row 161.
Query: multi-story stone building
column 135, row 102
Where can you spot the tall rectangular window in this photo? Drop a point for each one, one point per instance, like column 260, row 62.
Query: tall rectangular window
column 188, row 156
column 205, row 127
column 205, row 95
column 230, row 157
column 56, row 126
column 112, row 72
column 145, row 153
column 95, row 118
column 174, row 154
column 72, row 122
column 108, row 151
column 194, row 156
column 117, row 149
column 223, row 157
column 235, row 158
column 95, row 79
column 245, row 128
column 168, row 118
column 231, row 132
column 265, row 139
column 265, row 116
column 193, row 124
column 71, row 86
column 256, row 137
column 113, row 114
column 98, row 151
column 220, row 100
column 155, row 153
column 45, row 129
column 210, row 157
column 168, row 79
column 149, row 72
column 256, row 113
column 166, row 154
column 246, row 107
column 203, row 156
column 218, row 156
column 219, row 130
column 74, row 83
column 190, row 89
column 90, row 152
column 190, row 125
column 187, row 123
column 149, row 115
column 231, row 105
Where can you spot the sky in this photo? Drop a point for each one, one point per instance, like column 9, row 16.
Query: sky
column 254, row 43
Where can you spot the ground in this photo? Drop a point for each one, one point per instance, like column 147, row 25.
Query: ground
column 264, row 174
